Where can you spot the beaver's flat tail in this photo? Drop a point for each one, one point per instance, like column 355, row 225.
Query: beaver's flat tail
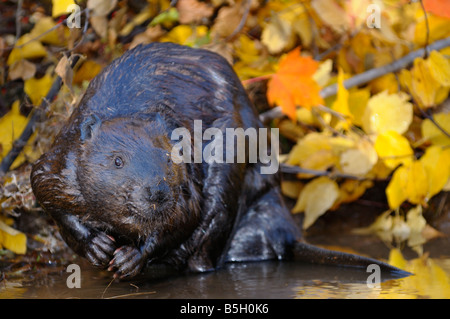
column 316, row 255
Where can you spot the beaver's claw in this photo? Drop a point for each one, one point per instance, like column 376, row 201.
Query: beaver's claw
column 100, row 249
column 127, row 262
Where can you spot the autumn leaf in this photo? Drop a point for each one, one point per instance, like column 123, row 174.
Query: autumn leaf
column 341, row 103
column 436, row 163
column 293, row 85
column 316, row 198
column 432, row 133
column 438, row 7
column 386, row 112
column 409, row 182
column 11, row 126
column 393, row 149
column 36, row 89
column 60, row 7
column 26, row 48
column 12, row 239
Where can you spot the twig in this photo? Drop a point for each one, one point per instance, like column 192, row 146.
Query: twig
column 367, row 76
column 56, row 26
column 18, row 18
column 291, row 169
column 427, row 39
column 431, row 118
column 241, row 23
column 36, row 114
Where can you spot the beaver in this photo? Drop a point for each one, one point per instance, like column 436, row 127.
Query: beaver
column 119, row 198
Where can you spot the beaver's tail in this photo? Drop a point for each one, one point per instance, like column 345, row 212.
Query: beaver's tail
column 316, row 255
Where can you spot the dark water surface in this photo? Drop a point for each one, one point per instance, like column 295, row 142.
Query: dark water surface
column 250, row 280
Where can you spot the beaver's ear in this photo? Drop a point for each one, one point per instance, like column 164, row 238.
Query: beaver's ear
column 89, row 126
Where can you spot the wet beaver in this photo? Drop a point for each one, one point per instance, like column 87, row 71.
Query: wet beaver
column 111, row 184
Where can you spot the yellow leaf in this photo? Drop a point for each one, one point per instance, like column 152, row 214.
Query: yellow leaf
column 291, row 189
column 11, row 127
column 36, row 89
column 435, row 135
column 417, row 183
column 61, row 7
column 423, row 85
column 184, row 34
column 341, row 103
column 316, row 198
column 393, row 149
column 409, row 182
column 386, row 112
column 357, row 102
column 318, row 151
column 26, row 48
column 439, row 67
column 323, row 74
column 331, row 14
column 387, row 82
column 395, row 191
column 436, row 163
column 276, row 34
column 53, row 37
column 12, row 239
column 351, row 190
column 438, row 27
column 359, row 161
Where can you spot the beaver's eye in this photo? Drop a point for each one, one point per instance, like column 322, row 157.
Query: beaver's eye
column 118, row 162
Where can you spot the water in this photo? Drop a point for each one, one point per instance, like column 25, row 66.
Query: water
column 250, row 280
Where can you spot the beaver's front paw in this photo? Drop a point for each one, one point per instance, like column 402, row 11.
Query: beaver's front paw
column 100, row 249
column 127, row 262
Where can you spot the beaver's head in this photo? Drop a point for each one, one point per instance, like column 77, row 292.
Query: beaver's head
column 125, row 172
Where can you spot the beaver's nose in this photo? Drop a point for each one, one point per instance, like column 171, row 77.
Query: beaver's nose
column 158, row 193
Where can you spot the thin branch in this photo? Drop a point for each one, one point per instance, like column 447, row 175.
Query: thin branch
column 242, row 22
column 36, row 114
column 291, row 169
column 367, row 76
column 431, row 118
column 427, row 39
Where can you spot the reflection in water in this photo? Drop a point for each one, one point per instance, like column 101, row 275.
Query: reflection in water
column 249, row 280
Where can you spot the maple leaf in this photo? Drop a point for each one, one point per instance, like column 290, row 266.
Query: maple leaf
column 438, row 7
column 293, row 84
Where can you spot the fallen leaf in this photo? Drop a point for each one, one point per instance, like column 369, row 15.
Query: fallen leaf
column 61, row 7
column 11, row 127
column 439, row 67
column 101, row 7
column 293, row 85
column 434, row 134
column 387, row 112
column 12, row 239
column 316, row 198
column 393, row 149
column 227, row 21
column 41, row 30
column 331, row 14
column 192, row 11
column 436, row 163
column 438, row 7
column 22, row 69
column 26, row 48
column 36, row 89
column 65, row 72
column 277, row 34
column 341, row 103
